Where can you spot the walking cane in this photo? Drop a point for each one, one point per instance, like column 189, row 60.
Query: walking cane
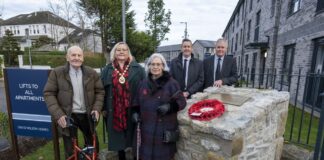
column 138, row 143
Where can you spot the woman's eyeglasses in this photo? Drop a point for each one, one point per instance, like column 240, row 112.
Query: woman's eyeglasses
column 156, row 64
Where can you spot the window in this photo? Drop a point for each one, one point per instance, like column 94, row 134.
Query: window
column 317, row 67
column 246, row 63
column 251, row 5
column 238, row 19
column 248, row 31
column 242, row 13
column 45, row 29
column 233, row 25
column 239, row 63
column 241, row 35
column 289, row 52
column 253, row 68
column 257, row 27
column 320, row 6
column 236, row 39
column 34, row 29
column 232, row 45
column 37, row 29
column 294, row 6
column 273, row 7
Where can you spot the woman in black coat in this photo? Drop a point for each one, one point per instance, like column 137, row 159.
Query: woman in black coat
column 159, row 98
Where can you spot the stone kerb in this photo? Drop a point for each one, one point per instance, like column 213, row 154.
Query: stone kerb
column 253, row 130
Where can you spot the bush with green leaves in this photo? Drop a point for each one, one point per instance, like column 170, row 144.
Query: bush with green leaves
column 1, row 62
column 4, row 125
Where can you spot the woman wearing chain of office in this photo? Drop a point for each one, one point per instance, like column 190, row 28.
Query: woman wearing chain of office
column 120, row 79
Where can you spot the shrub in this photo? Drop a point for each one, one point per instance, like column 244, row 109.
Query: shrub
column 58, row 59
column 4, row 125
column 1, row 62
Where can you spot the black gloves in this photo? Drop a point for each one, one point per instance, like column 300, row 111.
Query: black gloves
column 163, row 109
column 136, row 118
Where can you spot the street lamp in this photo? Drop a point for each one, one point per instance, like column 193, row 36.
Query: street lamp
column 185, row 31
column 28, row 40
column 124, row 20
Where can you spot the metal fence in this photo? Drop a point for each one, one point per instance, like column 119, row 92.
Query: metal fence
column 304, row 123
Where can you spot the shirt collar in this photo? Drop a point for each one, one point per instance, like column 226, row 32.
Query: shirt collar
column 216, row 57
column 73, row 70
column 183, row 58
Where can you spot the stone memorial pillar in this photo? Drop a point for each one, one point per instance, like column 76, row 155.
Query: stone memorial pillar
column 251, row 127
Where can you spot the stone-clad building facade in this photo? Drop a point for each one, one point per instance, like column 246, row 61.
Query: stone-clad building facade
column 278, row 36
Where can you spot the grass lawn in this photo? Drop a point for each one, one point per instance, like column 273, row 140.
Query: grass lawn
column 46, row 152
column 303, row 138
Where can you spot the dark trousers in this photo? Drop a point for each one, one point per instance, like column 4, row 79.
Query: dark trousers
column 82, row 122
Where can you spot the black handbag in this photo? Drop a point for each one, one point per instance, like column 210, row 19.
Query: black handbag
column 171, row 136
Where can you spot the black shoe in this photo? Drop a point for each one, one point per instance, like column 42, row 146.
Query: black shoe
column 121, row 155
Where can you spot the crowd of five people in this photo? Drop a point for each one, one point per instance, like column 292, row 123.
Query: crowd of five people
column 126, row 94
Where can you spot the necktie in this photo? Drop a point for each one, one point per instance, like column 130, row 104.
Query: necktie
column 217, row 74
column 185, row 72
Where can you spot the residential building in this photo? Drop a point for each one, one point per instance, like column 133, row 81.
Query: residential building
column 276, row 36
column 200, row 48
column 169, row 51
column 203, row 48
column 27, row 28
column 87, row 39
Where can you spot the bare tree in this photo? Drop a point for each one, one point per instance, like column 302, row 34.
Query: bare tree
column 1, row 9
column 66, row 10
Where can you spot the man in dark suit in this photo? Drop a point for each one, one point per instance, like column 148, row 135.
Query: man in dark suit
column 187, row 70
column 220, row 69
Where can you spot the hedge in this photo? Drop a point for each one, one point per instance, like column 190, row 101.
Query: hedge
column 54, row 60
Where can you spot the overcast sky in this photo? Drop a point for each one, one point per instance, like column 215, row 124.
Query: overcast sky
column 206, row 19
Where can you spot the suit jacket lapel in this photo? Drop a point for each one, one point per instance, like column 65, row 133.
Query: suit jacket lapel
column 225, row 63
column 212, row 65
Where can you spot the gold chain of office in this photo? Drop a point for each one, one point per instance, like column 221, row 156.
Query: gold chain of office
column 121, row 78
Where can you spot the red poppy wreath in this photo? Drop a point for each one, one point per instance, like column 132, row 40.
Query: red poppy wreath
column 206, row 110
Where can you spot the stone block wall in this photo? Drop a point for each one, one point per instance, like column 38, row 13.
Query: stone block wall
column 253, row 130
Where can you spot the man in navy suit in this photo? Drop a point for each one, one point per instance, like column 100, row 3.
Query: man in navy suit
column 219, row 69
column 187, row 70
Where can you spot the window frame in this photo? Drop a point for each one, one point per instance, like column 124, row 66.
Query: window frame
column 291, row 9
column 249, row 30
column 246, row 66
column 320, row 6
column 287, row 65
column 257, row 26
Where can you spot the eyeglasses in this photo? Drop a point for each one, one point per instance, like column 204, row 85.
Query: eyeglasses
column 156, row 64
column 123, row 49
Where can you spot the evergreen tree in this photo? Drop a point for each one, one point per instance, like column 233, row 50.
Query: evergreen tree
column 158, row 21
column 9, row 48
column 42, row 40
column 141, row 45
